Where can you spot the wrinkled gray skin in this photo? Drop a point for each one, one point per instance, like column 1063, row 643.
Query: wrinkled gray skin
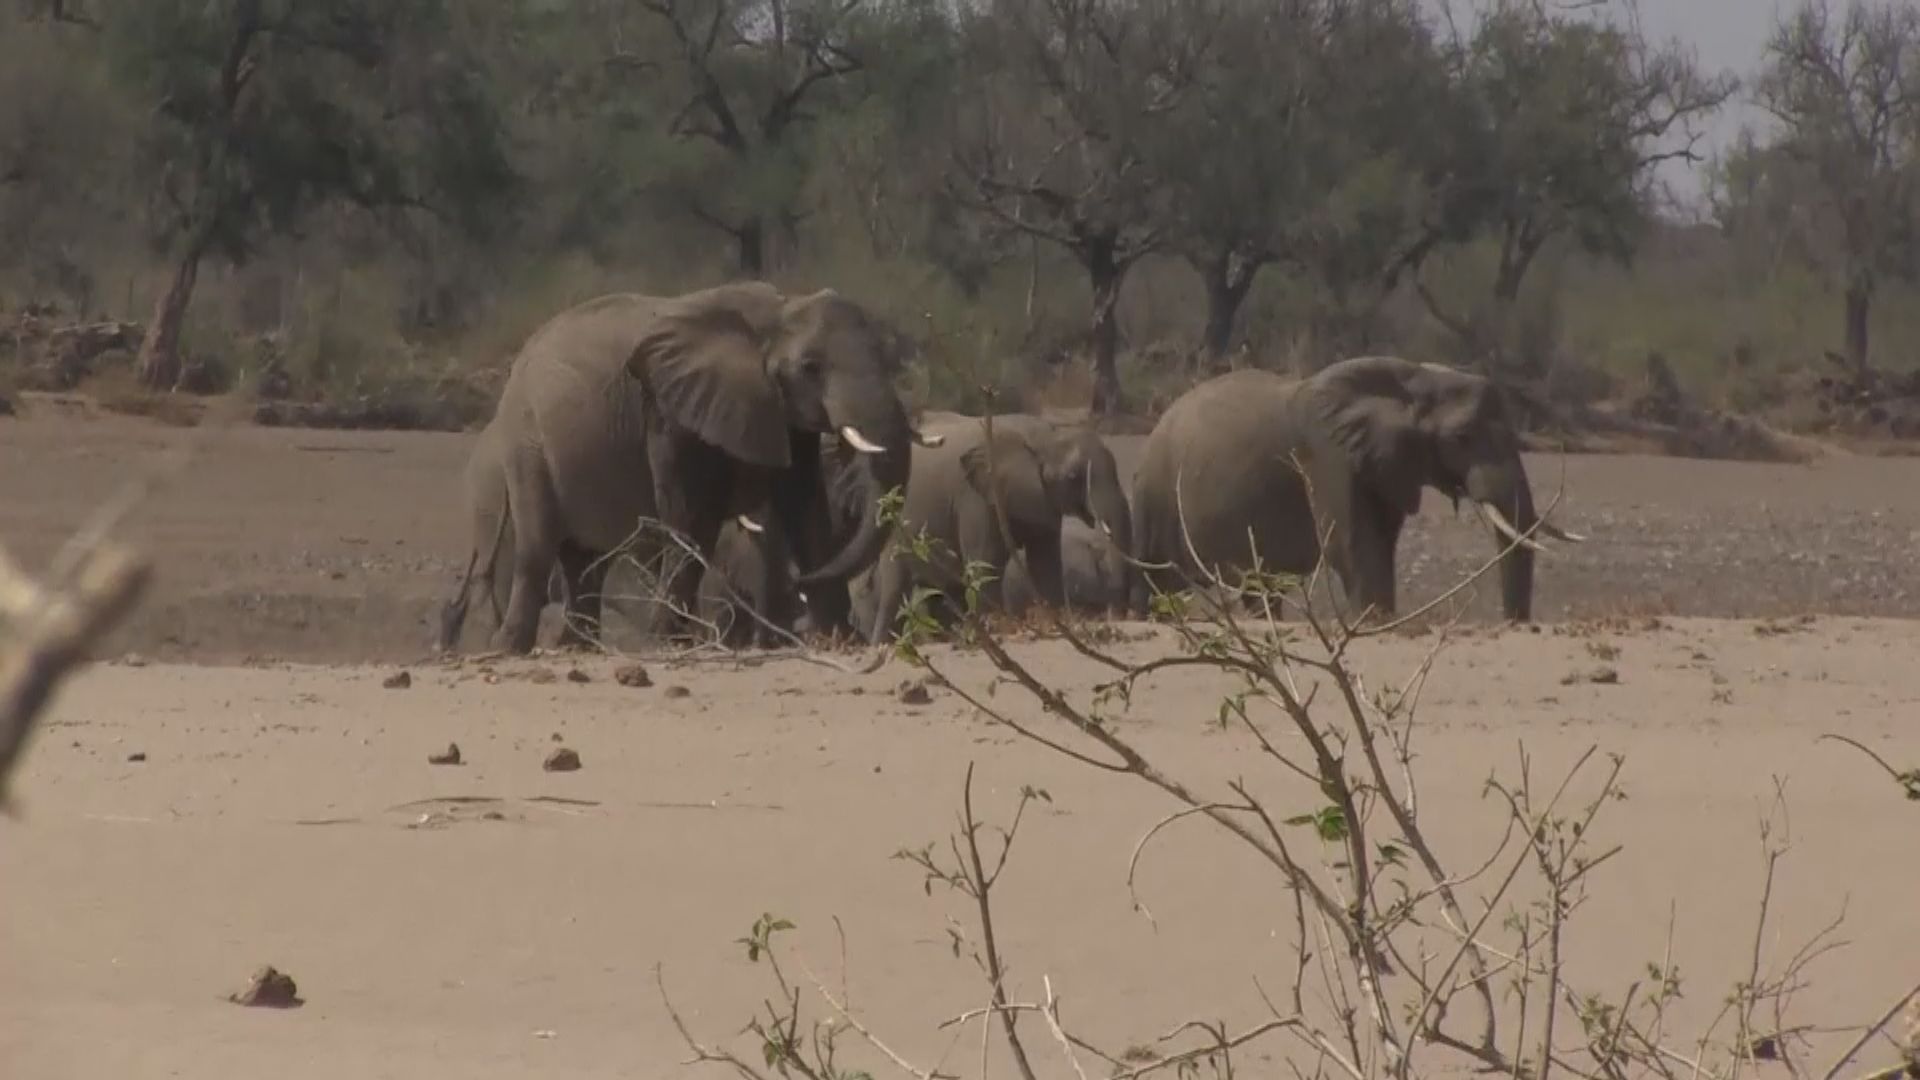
column 687, row 410
column 486, row 489
column 1370, row 433
column 1043, row 473
column 745, row 597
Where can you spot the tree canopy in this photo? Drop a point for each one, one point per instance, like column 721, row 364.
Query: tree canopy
column 1067, row 178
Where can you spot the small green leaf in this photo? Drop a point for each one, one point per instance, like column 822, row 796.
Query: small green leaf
column 1329, row 822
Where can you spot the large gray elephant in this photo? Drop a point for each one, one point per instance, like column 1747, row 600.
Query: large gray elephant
column 686, row 410
column 1234, row 456
column 1043, row 473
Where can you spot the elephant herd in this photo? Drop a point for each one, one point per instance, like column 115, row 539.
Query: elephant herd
column 763, row 432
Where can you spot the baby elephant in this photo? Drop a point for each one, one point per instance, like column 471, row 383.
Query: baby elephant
column 1041, row 471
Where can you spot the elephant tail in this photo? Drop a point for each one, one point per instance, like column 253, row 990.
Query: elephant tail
column 453, row 615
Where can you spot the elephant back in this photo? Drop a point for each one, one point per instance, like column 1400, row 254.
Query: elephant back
column 579, row 407
column 1216, row 465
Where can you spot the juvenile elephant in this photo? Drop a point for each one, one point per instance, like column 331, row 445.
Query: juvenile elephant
column 1042, row 472
column 1368, row 434
column 688, row 410
column 743, row 596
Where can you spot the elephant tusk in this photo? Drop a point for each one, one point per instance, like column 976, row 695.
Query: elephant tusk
column 1559, row 533
column 860, row 442
column 751, row 525
column 1505, row 528
column 931, row 442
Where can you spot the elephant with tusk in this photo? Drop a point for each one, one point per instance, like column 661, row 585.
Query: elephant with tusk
column 748, row 595
column 689, row 411
column 1251, row 463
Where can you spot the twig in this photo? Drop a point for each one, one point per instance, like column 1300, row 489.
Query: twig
column 1908, row 780
column 841, row 1010
column 1052, row 1013
column 53, row 632
column 982, row 895
column 1866, row 1037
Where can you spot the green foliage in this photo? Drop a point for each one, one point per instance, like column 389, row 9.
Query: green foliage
column 396, row 194
column 760, row 939
column 263, row 110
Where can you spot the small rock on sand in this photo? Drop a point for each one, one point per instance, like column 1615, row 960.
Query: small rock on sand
column 914, row 692
column 137, row 755
column 268, row 989
column 634, row 675
column 677, row 692
column 575, row 675
column 449, row 756
column 1602, row 676
column 399, row 680
column 542, row 676
column 561, row 760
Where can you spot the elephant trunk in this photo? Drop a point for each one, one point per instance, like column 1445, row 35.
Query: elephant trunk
column 877, row 446
column 1506, row 501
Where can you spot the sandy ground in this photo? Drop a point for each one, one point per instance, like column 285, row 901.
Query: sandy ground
column 496, row 920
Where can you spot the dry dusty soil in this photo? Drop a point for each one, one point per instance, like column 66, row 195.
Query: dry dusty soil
column 240, row 788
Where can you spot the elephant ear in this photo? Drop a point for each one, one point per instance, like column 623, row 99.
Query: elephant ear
column 703, row 360
column 1013, row 465
column 1371, row 415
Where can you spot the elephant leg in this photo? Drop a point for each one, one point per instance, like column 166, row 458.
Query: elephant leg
column 981, row 541
column 776, row 593
column 891, row 578
column 1369, row 575
column 585, row 575
column 693, row 489
column 536, row 543
column 1045, row 571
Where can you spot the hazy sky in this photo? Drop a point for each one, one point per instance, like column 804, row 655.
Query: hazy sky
column 1727, row 35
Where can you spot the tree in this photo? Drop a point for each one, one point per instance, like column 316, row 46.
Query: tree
column 1846, row 94
column 62, row 190
column 1055, row 143
column 266, row 109
column 1307, row 140
column 748, row 76
column 1570, row 117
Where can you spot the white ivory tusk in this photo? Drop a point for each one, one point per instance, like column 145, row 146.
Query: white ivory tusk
column 1505, row 528
column 750, row 525
column 931, row 442
column 860, row 442
column 1559, row 533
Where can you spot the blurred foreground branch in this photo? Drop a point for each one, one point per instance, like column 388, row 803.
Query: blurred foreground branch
column 47, row 631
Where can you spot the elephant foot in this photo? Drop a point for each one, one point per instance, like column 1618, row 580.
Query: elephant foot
column 578, row 636
column 511, row 646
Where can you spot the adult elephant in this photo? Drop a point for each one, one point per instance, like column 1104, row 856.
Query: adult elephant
column 1234, row 457
column 1039, row 472
column 687, row 410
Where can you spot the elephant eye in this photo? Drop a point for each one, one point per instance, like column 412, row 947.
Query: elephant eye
column 811, row 364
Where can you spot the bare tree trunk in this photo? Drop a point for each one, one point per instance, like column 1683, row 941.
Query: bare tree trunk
column 751, row 247
column 159, row 359
column 1105, row 274
column 1859, row 308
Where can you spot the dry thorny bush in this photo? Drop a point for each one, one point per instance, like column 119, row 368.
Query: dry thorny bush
column 1405, row 959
